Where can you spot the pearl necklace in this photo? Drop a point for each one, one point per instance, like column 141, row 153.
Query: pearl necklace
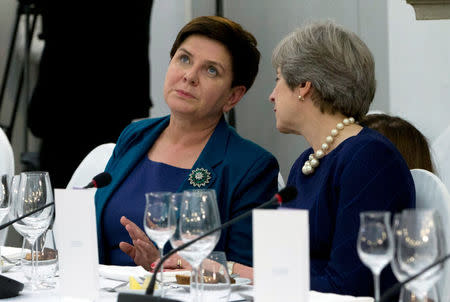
column 313, row 160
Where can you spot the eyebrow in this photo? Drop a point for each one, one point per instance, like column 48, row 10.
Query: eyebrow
column 207, row 61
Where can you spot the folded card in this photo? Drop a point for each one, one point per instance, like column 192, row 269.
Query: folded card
column 77, row 243
column 281, row 255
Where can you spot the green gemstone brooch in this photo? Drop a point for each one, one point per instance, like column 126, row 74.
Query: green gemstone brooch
column 199, row 177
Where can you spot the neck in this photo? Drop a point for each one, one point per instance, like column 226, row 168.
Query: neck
column 188, row 132
column 319, row 127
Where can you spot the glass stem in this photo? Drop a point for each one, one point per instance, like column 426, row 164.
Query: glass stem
column 33, row 281
column 161, row 270
column 376, row 283
column 197, row 278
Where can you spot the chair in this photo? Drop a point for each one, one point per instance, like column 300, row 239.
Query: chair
column 432, row 193
column 93, row 164
column 6, row 155
column 440, row 148
column 281, row 183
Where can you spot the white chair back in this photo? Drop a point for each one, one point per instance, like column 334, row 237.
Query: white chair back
column 441, row 157
column 93, row 164
column 6, row 155
column 281, row 183
column 432, row 193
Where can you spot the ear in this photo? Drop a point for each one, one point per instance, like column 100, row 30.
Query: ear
column 235, row 96
column 304, row 89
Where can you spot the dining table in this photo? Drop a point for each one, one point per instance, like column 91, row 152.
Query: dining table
column 115, row 279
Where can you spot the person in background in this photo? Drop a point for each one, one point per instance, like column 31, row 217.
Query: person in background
column 214, row 62
column 325, row 85
column 411, row 143
column 94, row 79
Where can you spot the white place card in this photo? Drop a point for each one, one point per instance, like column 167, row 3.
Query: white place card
column 76, row 234
column 281, row 255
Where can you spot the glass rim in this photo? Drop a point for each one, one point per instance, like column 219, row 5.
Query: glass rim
column 419, row 210
column 34, row 172
column 374, row 213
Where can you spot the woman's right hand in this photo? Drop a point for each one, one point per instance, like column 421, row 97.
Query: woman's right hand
column 174, row 262
column 142, row 251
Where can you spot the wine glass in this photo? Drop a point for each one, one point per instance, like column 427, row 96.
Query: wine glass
column 375, row 244
column 5, row 187
column 175, row 240
column 34, row 192
column 217, row 285
column 159, row 221
column 421, row 244
column 407, row 291
column 198, row 215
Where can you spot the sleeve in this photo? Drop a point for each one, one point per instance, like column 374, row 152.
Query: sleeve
column 258, row 185
column 375, row 179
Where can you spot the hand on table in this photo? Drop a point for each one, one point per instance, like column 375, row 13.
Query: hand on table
column 175, row 263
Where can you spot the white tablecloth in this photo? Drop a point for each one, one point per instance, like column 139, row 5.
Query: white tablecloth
column 54, row 295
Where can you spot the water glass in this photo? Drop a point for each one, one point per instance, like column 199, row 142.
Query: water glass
column 34, row 191
column 216, row 280
column 159, row 221
column 375, row 244
column 199, row 214
column 47, row 259
column 421, row 243
column 5, row 188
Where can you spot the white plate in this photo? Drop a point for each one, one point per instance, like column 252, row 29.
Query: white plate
column 239, row 282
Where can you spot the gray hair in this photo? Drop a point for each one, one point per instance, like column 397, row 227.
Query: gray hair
column 336, row 61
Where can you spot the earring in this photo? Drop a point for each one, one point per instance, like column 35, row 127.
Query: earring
column 300, row 98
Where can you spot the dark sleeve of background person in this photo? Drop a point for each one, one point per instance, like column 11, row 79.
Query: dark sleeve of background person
column 94, row 79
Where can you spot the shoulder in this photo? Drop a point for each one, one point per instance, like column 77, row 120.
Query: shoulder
column 369, row 155
column 370, row 146
column 246, row 149
column 142, row 125
column 135, row 130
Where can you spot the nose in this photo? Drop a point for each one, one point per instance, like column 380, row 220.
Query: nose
column 272, row 97
column 191, row 77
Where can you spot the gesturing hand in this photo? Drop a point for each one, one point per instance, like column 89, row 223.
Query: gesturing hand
column 142, row 251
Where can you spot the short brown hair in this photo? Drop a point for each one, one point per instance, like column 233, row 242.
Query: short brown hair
column 411, row 143
column 240, row 43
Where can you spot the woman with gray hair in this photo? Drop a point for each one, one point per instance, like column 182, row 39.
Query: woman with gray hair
column 325, row 84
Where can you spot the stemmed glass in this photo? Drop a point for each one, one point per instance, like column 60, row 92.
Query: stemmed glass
column 34, row 192
column 407, row 291
column 159, row 221
column 5, row 187
column 375, row 244
column 198, row 214
column 421, row 244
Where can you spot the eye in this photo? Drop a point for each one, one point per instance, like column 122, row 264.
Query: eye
column 212, row 71
column 184, row 59
column 277, row 79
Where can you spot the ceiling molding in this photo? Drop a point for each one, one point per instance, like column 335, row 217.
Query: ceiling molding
column 431, row 9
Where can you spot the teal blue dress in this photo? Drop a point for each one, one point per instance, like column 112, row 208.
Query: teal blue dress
column 243, row 174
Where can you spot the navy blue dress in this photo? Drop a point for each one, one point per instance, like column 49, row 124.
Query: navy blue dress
column 129, row 200
column 365, row 172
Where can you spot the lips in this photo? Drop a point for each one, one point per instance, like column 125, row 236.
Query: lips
column 184, row 93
